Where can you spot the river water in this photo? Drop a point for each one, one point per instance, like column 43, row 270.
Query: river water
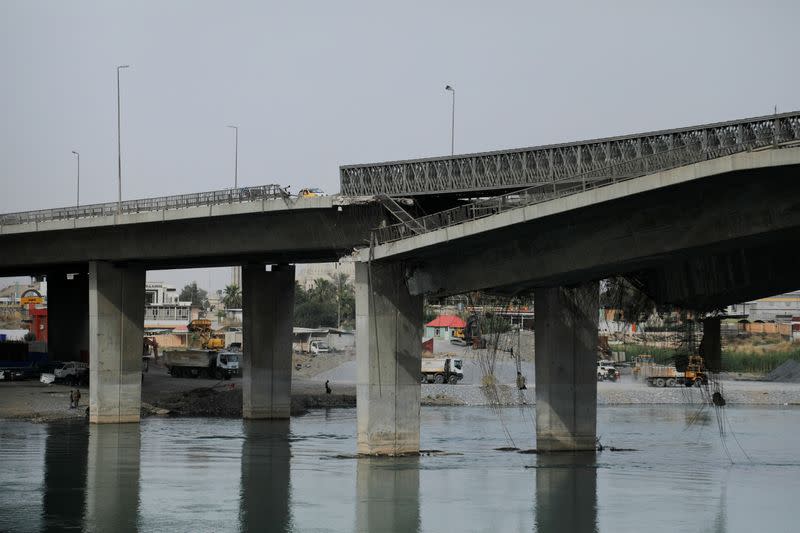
column 229, row 475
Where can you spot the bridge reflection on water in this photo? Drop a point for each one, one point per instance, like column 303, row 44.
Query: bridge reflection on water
column 230, row 475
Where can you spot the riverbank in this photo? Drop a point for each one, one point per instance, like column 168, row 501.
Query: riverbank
column 165, row 396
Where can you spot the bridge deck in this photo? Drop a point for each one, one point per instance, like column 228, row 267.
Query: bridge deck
column 144, row 205
column 576, row 183
column 485, row 216
column 518, row 168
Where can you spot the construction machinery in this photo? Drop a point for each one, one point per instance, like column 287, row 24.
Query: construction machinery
column 310, row 193
column 472, row 334
column 669, row 376
column 201, row 328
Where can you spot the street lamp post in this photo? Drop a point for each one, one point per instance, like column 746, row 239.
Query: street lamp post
column 119, row 146
column 78, row 201
column 236, row 157
column 452, row 120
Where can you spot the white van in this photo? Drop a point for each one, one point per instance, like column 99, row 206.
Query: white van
column 70, row 370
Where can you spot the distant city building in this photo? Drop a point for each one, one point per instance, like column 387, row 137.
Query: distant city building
column 158, row 292
column 307, row 274
column 780, row 308
column 233, row 315
column 163, row 309
column 236, row 276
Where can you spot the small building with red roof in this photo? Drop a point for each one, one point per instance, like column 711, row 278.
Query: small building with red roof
column 443, row 327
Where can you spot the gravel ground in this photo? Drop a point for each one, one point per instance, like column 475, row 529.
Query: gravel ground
column 505, row 371
column 202, row 397
column 39, row 402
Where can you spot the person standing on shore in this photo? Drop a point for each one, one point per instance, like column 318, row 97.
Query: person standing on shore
column 77, row 397
column 71, row 399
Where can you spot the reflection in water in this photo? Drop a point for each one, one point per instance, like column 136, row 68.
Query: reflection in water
column 265, row 489
column 387, row 494
column 65, row 476
column 566, row 492
column 112, row 486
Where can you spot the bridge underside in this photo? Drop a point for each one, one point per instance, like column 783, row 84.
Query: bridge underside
column 711, row 242
column 298, row 236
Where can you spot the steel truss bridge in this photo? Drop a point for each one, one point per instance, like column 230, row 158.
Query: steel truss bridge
column 603, row 158
column 784, row 133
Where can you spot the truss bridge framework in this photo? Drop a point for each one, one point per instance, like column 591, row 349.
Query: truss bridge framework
column 525, row 167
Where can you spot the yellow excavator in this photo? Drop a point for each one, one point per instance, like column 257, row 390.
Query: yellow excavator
column 208, row 341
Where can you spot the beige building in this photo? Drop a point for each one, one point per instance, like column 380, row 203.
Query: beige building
column 306, row 274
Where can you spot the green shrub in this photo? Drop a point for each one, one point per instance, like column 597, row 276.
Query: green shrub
column 732, row 361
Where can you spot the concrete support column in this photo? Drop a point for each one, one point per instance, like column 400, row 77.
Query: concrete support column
column 265, row 496
column 68, row 316
column 566, row 320
column 112, row 480
column 64, row 484
column 116, row 328
column 711, row 344
column 388, row 352
column 268, row 316
column 387, row 494
column 566, row 492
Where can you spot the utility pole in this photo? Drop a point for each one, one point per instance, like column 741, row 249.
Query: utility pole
column 119, row 146
column 452, row 120
column 78, row 200
column 236, row 157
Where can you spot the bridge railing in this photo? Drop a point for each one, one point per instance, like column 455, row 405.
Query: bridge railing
column 694, row 151
column 181, row 201
column 525, row 167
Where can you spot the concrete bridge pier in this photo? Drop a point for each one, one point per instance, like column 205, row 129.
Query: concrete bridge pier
column 68, row 316
column 388, row 352
column 387, row 494
column 116, row 327
column 112, row 478
column 566, row 320
column 268, row 314
column 711, row 344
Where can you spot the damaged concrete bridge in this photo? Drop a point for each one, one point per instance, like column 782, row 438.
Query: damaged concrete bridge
column 701, row 215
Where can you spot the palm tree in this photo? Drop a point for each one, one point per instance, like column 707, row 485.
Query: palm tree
column 233, row 297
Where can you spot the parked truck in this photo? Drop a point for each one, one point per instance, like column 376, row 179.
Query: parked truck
column 606, row 371
column 669, row 376
column 442, row 370
column 195, row 363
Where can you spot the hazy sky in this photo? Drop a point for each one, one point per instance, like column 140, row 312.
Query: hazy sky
column 313, row 85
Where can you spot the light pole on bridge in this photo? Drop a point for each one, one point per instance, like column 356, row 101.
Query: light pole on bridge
column 78, row 201
column 119, row 146
column 452, row 120
column 236, row 157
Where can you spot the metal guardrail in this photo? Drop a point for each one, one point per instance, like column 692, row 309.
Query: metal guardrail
column 526, row 167
column 660, row 161
column 181, row 201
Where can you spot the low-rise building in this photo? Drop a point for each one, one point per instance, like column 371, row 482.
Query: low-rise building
column 444, row 327
column 780, row 308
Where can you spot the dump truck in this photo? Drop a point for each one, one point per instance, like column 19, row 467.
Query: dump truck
column 669, row 376
column 442, row 370
column 195, row 363
column 642, row 365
